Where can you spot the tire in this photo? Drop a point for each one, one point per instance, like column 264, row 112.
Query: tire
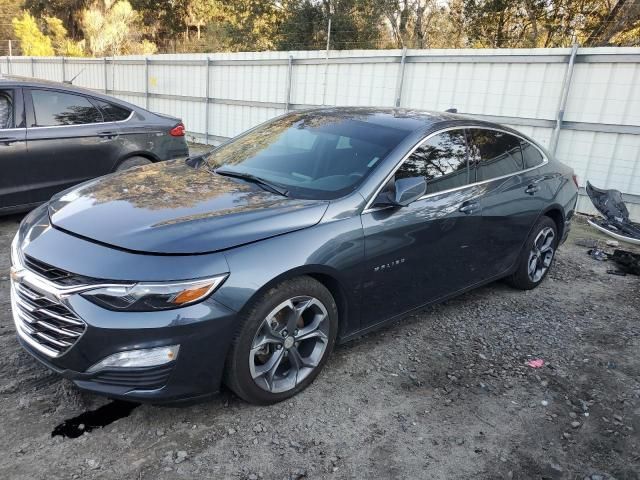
column 267, row 363
column 531, row 271
column 132, row 162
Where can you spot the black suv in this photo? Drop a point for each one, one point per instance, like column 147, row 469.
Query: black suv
column 54, row 135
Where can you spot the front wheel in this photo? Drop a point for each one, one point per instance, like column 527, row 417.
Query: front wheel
column 132, row 162
column 537, row 256
column 283, row 343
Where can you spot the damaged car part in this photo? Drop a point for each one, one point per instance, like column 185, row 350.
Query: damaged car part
column 616, row 221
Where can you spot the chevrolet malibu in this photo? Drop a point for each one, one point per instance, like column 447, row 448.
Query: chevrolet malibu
column 245, row 266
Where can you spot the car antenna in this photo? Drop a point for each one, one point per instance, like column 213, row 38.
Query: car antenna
column 451, row 110
column 70, row 82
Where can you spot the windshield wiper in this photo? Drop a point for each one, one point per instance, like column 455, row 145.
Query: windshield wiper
column 272, row 187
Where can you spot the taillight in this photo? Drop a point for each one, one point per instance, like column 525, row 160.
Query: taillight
column 177, row 131
column 575, row 180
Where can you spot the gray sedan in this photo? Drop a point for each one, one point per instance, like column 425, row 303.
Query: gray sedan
column 54, row 135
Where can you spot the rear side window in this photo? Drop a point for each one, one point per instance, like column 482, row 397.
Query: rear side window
column 113, row 113
column 494, row 153
column 56, row 108
column 532, row 156
column 441, row 160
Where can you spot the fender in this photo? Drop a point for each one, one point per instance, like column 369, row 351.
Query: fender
column 336, row 262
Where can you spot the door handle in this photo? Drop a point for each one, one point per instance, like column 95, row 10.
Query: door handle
column 8, row 140
column 108, row 134
column 531, row 189
column 468, row 208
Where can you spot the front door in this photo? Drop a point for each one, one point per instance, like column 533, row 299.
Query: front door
column 427, row 250
column 68, row 141
column 13, row 149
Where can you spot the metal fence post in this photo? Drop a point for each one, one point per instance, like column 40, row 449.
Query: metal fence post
column 9, row 65
column 104, row 61
column 33, row 68
column 326, row 65
column 206, row 105
column 146, row 82
column 400, row 80
column 287, row 95
column 562, row 104
column 64, row 76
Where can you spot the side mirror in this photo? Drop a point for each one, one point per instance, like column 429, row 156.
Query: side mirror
column 402, row 192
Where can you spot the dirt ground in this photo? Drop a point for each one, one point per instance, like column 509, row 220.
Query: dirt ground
column 444, row 394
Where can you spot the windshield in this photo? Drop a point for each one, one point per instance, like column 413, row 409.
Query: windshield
column 317, row 155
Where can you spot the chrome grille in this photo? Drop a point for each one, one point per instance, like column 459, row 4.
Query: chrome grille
column 43, row 321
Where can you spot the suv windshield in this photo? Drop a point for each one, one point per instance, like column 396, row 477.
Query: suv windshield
column 318, row 155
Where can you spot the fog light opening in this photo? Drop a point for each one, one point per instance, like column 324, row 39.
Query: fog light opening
column 146, row 357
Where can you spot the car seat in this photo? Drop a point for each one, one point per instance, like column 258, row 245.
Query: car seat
column 6, row 112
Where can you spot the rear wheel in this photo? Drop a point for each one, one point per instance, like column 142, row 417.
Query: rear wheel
column 283, row 343
column 132, row 162
column 536, row 258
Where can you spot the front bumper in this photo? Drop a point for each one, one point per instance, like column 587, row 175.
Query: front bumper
column 203, row 332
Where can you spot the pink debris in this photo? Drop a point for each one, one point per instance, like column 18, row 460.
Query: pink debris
column 536, row 363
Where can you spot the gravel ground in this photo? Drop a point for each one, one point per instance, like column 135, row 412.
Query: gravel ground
column 444, row 394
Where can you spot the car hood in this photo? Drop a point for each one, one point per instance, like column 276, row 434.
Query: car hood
column 172, row 208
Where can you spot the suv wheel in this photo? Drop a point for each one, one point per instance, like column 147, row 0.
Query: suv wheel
column 283, row 343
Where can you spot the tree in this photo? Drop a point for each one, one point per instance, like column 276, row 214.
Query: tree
column 32, row 41
column 62, row 45
column 68, row 11
column 621, row 21
column 114, row 29
column 9, row 9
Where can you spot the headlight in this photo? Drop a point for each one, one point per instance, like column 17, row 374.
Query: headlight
column 145, row 297
column 15, row 255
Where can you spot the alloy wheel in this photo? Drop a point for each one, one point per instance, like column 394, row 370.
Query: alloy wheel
column 541, row 254
column 289, row 344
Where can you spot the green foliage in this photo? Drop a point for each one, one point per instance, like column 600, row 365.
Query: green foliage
column 62, row 45
column 113, row 28
column 9, row 9
column 116, row 27
column 32, row 41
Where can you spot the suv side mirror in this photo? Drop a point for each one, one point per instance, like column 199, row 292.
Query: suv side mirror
column 402, row 192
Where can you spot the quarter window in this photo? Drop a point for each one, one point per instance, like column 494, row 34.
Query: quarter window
column 532, row 156
column 56, row 108
column 493, row 153
column 113, row 113
column 441, row 160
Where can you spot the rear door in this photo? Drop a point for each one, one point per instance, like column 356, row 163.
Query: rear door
column 429, row 249
column 13, row 149
column 513, row 197
column 68, row 141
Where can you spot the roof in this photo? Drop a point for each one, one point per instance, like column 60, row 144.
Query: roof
column 397, row 118
column 7, row 80
column 14, row 80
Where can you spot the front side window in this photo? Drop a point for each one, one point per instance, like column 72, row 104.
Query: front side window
column 532, row 156
column 6, row 109
column 53, row 108
column 493, row 153
column 319, row 155
column 441, row 160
